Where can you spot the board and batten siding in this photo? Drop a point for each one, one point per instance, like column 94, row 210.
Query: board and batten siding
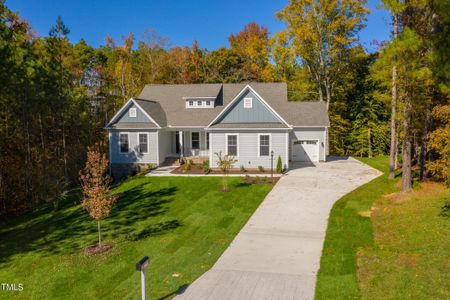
column 309, row 133
column 248, row 149
column 258, row 113
column 133, row 156
column 140, row 116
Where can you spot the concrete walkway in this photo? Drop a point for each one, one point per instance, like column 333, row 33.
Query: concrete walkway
column 277, row 253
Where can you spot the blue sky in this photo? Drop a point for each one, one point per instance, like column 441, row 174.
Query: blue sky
column 210, row 22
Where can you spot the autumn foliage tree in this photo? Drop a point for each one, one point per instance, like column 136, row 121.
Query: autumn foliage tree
column 225, row 163
column 95, row 184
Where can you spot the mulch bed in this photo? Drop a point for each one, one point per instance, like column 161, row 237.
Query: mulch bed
column 198, row 169
column 96, row 250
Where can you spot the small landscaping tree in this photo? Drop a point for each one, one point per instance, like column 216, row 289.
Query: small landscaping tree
column 95, row 184
column 279, row 165
column 225, row 163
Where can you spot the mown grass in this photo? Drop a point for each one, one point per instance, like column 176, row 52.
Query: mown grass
column 183, row 224
column 349, row 230
column 380, row 247
column 409, row 259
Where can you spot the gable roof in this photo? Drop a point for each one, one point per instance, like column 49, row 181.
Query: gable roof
column 166, row 105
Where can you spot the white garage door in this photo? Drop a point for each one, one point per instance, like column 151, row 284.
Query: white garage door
column 305, row 150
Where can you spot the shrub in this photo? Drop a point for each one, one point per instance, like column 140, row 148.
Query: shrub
column 225, row 163
column 279, row 165
column 243, row 169
column 187, row 166
column 206, row 166
column 261, row 169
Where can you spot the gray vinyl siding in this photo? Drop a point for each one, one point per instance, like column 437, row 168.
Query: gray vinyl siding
column 133, row 156
column 248, row 148
column 140, row 116
column 259, row 113
column 165, row 144
column 309, row 133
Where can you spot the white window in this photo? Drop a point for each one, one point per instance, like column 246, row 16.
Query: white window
column 191, row 103
column 199, row 103
column 143, row 143
column 123, row 142
column 248, row 102
column 195, row 140
column 264, row 144
column 132, row 112
column 208, row 103
column 232, row 144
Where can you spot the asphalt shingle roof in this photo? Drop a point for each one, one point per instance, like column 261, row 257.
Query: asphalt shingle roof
column 166, row 103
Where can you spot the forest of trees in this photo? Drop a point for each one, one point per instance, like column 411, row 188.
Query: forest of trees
column 57, row 96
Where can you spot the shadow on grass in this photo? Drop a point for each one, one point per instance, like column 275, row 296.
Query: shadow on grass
column 71, row 229
column 181, row 289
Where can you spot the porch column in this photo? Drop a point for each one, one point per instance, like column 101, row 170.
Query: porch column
column 180, row 133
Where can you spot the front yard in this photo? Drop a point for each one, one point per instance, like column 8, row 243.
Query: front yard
column 183, row 224
column 381, row 244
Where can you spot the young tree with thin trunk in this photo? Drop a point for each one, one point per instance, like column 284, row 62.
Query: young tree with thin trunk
column 95, row 184
column 225, row 163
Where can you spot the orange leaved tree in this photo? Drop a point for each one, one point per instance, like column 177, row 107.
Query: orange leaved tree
column 95, row 184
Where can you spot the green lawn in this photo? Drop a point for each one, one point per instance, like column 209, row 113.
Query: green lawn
column 367, row 253
column 183, row 224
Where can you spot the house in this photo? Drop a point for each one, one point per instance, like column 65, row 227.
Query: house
column 248, row 121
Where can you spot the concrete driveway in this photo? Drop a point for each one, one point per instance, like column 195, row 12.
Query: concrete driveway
column 277, row 253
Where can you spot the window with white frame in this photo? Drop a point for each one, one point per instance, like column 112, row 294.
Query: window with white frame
column 132, row 112
column 264, row 145
column 248, row 102
column 199, row 102
column 123, row 142
column 232, row 144
column 207, row 141
column 208, row 103
column 195, row 140
column 143, row 143
column 191, row 103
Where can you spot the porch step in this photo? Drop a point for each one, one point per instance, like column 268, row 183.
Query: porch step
column 170, row 162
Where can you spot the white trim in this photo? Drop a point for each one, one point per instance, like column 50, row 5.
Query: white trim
column 124, row 107
column 238, row 96
column 311, row 126
column 287, row 151
column 237, row 143
column 250, row 104
column 158, row 160
column 318, row 147
column 199, row 141
column 128, row 138
column 134, row 114
column 210, row 150
column 204, row 97
column 139, row 142
column 212, row 129
column 259, row 145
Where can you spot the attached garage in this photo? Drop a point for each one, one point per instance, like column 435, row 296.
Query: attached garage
column 305, row 150
column 308, row 144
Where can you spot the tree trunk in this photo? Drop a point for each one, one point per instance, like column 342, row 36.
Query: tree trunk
column 393, row 149
column 369, row 144
column 99, row 234
column 406, row 167
column 423, row 146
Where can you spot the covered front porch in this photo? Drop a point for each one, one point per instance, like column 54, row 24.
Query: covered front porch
column 184, row 143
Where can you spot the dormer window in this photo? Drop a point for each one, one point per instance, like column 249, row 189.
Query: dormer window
column 191, row 103
column 199, row 103
column 248, row 102
column 208, row 103
column 132, row 112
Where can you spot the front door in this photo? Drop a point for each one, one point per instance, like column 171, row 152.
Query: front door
column 177, row 142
